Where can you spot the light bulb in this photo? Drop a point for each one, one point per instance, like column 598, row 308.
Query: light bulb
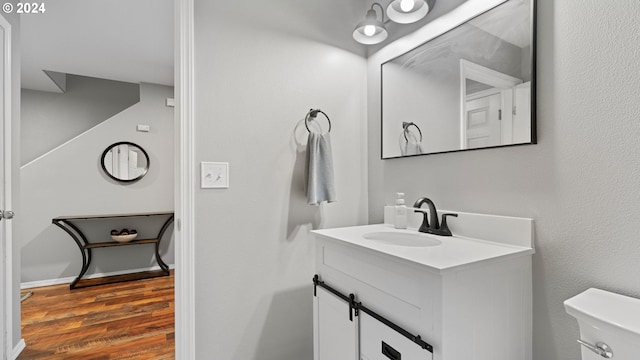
column 369, row 30
column 406, row 5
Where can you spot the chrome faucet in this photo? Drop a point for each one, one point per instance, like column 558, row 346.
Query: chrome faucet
column 431, row 225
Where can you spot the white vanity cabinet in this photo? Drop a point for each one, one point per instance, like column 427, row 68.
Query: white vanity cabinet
column 478, row 310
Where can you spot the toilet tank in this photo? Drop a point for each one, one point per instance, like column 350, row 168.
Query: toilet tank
column 605, row 317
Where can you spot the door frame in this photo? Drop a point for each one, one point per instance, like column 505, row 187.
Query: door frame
column 6, row 249
column 183, row 188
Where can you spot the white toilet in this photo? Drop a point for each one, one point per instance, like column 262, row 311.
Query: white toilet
column 609, row 324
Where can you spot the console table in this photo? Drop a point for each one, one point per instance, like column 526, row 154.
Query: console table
column 66, row 223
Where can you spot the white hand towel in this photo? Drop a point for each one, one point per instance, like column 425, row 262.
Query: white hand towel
column 411, row 148
column 409, row 144
column 320, row 182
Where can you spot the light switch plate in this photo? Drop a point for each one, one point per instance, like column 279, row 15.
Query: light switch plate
column 143, row 128
column 214, row 175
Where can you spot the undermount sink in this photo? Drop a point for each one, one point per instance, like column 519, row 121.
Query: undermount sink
column 402, row 239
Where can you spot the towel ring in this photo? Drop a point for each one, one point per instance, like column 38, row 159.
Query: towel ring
column 312, row 114
column 405, row 127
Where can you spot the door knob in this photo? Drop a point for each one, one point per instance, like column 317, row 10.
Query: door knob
column 6, row 214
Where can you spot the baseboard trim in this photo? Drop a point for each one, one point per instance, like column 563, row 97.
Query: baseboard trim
column 68, row 280
column 18, row 349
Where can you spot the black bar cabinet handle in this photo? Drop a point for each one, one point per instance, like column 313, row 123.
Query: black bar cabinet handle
column 390, row 352
column 355, row 307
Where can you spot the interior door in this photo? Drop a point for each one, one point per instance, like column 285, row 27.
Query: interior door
column 6, row 318
column 482, row 123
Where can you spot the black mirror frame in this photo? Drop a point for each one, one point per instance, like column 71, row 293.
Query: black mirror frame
column 110, row 147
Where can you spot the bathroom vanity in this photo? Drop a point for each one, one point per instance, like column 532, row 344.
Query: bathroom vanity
column 383, row 293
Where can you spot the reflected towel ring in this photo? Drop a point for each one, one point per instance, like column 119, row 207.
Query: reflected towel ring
column 405, row 127
column 312, row 114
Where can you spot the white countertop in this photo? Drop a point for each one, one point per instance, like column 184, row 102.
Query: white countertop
column 454, row 252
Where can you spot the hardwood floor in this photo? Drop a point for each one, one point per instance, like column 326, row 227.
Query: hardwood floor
column 130, row 320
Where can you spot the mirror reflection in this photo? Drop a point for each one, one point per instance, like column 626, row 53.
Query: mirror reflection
column 125, row 162
column 469, row 88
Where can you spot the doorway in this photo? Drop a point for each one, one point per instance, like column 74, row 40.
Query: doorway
column 486, row 106
column 109, row 84
column 185, row 317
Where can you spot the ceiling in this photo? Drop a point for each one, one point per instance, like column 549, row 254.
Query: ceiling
column 510, row 21
column 123, row 40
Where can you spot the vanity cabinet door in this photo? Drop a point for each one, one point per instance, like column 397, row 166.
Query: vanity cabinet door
column 335, row 336
column 380, row 342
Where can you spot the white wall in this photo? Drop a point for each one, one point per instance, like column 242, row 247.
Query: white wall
column 70, row 181
column 260, row 67
column 579, row 183
column 49, row 119
column 418, row 98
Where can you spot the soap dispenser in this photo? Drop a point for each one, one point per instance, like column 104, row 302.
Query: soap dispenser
column 400, row 221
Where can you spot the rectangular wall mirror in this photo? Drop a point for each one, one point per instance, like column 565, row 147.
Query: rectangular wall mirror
column 472, row 87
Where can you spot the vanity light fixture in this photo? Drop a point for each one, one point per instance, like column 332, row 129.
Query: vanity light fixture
column 372, row 31
column 407, row 11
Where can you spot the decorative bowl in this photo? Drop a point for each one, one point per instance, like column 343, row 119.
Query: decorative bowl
column 124, row 238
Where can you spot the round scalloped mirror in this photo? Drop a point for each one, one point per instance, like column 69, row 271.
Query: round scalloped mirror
column 125, row 162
